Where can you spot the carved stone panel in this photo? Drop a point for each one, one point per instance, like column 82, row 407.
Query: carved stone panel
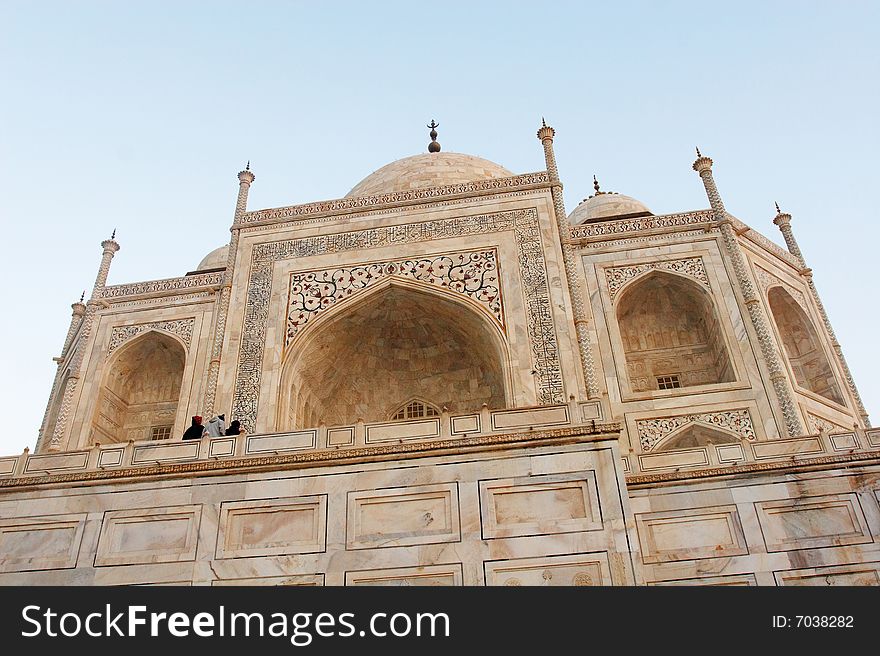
column 473, row 274
column 652, row 431
column 183, row 328
column 692, row 267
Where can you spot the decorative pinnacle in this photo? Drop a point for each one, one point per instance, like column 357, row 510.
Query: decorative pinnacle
column 778, row 211
column 433, row 147
column 702, row 162
column 545, row 131
column 113, row 236
column 246, row 175
column 82, row 296
column 596, row 185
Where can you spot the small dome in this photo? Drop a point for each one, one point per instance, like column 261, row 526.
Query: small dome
column 216, row 259
column 605, row 206
column 427, row 170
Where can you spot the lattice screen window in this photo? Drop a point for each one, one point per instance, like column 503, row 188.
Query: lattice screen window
column 416, row 409
column 160, row 432
column 668, row 382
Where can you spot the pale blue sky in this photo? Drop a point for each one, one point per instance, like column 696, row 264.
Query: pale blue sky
column 138, row 115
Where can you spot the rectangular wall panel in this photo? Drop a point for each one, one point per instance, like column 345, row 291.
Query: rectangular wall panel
column 576, row 569
column 37, row 543
column 691, row 534
column 308, row 580
column 812, row 522
column 405, row 576
column 148, row 535
column 539, row 505
column 272, row 527
column 403, row 516
column 855, row 574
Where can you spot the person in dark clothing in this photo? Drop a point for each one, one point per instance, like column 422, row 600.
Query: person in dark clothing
column 196, row 431
column 234, row 428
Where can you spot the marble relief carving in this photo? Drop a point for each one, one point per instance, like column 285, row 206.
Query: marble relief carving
column 183, row 328
column 471, row 273
column 818, row 425
column 652, row 431
column 692, row 267
column 161, row 286
column 532, row 269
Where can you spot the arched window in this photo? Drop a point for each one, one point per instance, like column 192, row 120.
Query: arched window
column 381, row 355
column 141, row 390
column 415, row 409
column 810, row 365
column 671, row 334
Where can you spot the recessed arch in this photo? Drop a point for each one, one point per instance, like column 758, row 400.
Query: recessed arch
column 391, row 343
column 803, row 347
column 696, row 434
column 671, row 334
column 140, row 389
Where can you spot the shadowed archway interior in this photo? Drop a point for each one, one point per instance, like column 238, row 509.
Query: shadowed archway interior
column 671, row 334
column 382, row 351
column 139, row 397
column 810, row 365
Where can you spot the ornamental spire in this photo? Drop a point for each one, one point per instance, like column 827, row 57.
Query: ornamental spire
column 433, row 147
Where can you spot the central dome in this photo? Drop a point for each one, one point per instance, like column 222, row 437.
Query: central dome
column 427, row 170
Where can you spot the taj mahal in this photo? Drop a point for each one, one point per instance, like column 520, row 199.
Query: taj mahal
column 447, row 378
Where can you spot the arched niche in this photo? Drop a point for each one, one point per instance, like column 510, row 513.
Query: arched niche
column 671, row 334
column 696, row 435
column 396, row 342
column 808, row 360
column 140, row 390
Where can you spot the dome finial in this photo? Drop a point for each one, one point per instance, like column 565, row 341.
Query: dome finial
column 433, row 147
column 596, row 184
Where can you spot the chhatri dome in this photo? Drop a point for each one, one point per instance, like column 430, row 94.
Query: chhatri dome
column 605, row 205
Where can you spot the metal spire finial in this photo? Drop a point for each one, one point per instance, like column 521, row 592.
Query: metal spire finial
column 543, row 122
column 595, row 183
column 82, row 296
column 433, row 147
column 113, row 236
column 778, row 211
column 248, row 167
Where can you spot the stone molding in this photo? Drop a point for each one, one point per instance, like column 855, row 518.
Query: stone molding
column 343, row 205
column 162, row 287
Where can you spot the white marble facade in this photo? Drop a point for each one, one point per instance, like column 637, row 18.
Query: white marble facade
column 445, row 380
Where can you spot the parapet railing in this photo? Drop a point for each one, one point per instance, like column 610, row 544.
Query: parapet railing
column 121, row 455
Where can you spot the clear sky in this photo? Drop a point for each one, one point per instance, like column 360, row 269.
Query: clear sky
column 138, row 115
